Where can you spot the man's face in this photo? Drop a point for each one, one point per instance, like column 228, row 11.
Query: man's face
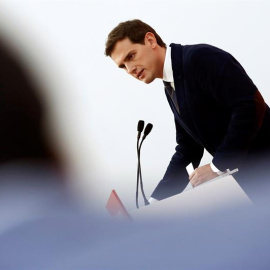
column 142, row 61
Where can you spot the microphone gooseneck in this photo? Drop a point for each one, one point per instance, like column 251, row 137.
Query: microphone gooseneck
column 139, row 173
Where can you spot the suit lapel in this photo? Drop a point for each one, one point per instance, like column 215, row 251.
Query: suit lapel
column 183, row 118
column 177, row 66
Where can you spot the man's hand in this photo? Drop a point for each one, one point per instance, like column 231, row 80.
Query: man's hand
column 201, row 175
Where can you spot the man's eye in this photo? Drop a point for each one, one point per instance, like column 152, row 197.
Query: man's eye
column 131, row 56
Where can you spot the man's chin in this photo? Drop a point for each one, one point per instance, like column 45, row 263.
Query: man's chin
column 148, row 80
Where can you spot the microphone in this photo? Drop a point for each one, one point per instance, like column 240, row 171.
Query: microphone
column 147, row 130
column 140, row 128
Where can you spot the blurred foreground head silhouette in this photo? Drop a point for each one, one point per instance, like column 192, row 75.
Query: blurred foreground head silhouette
column 22, row 135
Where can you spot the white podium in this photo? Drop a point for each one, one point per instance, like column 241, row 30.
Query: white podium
column 223, row 193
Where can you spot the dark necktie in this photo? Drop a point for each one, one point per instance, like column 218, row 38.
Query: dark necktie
column 172, row 94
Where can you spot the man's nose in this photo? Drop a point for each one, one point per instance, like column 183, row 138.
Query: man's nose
column 131, row 69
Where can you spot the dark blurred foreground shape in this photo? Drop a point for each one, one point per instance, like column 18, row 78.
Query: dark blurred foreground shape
column 40, row 218
column 21, row 113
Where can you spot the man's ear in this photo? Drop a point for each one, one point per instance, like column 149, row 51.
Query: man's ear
column 150, row 39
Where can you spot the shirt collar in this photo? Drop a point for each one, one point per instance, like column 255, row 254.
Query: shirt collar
column 167, row 69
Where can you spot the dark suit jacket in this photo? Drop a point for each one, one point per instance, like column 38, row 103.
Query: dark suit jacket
column 221, row 110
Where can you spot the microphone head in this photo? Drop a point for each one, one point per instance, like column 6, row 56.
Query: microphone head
column 140, row 126
column 148, row 129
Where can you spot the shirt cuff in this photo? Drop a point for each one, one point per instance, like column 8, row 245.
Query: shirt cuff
column 152, row 200
column 215, row 169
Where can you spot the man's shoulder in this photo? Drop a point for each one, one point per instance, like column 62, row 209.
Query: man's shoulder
column 193, row 50
column 199, row 54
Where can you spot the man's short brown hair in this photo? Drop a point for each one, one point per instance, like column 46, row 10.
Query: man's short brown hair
column 134, row 30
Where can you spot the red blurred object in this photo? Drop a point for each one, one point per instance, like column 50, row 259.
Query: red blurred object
column 115, row 206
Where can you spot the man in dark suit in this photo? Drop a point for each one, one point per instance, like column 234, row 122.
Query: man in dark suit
column 216, row 106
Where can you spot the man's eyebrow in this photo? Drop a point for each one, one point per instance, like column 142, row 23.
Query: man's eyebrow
column 126, row 58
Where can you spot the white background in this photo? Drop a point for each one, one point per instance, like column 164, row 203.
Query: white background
column 94, row 106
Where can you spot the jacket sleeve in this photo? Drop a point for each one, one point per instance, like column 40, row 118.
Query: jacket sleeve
column 176, row 177
column 224, row 79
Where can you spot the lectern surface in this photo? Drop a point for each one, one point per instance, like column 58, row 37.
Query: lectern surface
column 211, row 197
